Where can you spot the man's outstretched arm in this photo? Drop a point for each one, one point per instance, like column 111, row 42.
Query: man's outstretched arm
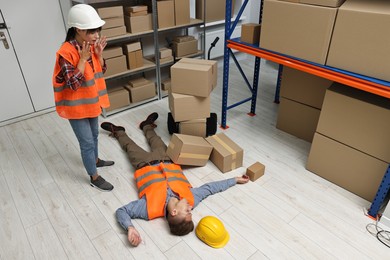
column 211, row 188
column 135, row 209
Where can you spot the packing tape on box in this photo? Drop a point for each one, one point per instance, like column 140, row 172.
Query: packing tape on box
column 227, row 147
column 194, row 156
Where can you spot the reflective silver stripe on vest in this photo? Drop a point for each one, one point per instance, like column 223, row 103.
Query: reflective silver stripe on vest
column 99, row 75
column 174, row 171
column 73, row 103
column 147, row 184
column 178, row 179
column 103, row 92
column 140, row 178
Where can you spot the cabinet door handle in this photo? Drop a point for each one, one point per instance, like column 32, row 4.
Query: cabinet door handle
column 4, row 40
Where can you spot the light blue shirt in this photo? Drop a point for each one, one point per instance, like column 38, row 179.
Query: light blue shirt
column 138, row 209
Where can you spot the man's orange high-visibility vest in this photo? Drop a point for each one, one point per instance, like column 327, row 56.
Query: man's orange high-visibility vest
column 86, row 101
column 153, row 181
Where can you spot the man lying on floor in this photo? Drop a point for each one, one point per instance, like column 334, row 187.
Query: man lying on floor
column 163, row 189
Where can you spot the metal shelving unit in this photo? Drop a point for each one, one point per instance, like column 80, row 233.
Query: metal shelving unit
column 368, row 84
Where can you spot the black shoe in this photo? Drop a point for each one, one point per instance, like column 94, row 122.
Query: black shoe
column 111, row 127
column 149, row 120
column 102, row 163
column 101, row 184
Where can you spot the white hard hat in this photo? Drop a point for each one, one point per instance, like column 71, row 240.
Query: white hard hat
column 84, row 17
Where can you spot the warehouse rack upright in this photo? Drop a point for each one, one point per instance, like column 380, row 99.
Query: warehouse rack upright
column 368, row 84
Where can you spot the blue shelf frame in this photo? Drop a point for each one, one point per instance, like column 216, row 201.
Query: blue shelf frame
column 352, row 79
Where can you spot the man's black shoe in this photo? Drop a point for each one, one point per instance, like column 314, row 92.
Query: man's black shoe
column 111, row 127
column 149, row 120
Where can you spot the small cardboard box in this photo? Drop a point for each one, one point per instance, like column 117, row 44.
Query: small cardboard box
column 141, row 93
column 118, row 98
column 134, row 46
column 185, row 48
column 250, row 33
column 346, row 167
column 165, row 13
column 112, row 32
column 166, row 84
column 135, row 59
column 182, row 12
column 188, row 107
column 109, row 12
column 116, row 65
column 165, row 52
column 134, row 83
column 113, row 22
column 192, row 79
column 215, row 10
column 136, row 8
column 255, row 171
column 212, row 63
column 183, row 38
column 189, row 150
column 112, row 52
column 226, row 155
column 297, row 119
column 196, row 127
column 142, row 23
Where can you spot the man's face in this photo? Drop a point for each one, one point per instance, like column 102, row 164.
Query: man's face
column 184, row 210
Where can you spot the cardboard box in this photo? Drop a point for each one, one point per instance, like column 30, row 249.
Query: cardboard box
column 118, row 98
column 142, row 13
column 215, row 10
column 165, row 52
column 360, row 41
column 212, row 63
column 137, row 82
column 113, row 22
column 196, row 127
column 192, row 79
column 112, row 32
column 303, row 87
column 189, row 150
column 142, row 23
column 166, row 84
column 141, row 93
column 255, row 171
column 182, row 12
column 188, row 107
column 165, row 13
column 185, row 48
column 346, row 167
column 112, row 52
column 358, row 119
column 135, row 59
column 108, row 12
column 285, row 29
column 226, row 154
column 136, row 8
column 134, row 46
column 297, row 119
column 328, row 3
column 116, row 65
column 183, row 38
column 250, row 33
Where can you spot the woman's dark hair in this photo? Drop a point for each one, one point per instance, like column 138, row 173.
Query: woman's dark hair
column 180, row 228
column 71, row 34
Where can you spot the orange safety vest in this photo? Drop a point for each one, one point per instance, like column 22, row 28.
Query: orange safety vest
column 87, row 101
column 153, row 181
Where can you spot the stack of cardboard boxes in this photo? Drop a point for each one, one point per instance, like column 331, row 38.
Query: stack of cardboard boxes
column 137, row 19
column 114, row 18
column 172, row 12
column 351, row 146
column 134, row 55
column 184, row 45
column 192, row 81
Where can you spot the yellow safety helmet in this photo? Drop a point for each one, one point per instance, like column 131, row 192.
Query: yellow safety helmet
column 212, row 232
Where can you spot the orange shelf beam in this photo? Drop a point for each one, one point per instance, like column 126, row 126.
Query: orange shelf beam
column 348, row 80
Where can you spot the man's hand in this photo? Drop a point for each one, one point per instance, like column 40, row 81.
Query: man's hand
column 242, row 179
column 133, row 236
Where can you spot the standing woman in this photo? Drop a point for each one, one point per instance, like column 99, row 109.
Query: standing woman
column 79, row 87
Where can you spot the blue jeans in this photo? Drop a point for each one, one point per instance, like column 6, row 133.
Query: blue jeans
column 87, row 131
